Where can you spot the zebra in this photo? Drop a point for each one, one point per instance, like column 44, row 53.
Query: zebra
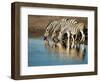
column 72, row 27
column 49, row 29
column 79, row 27
column 66, row 27
column 59, row 27
column 53, row 28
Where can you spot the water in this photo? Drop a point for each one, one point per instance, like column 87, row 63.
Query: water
column 39, row 55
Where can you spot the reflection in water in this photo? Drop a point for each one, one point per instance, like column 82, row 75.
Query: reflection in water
column 41, row 54
column 73, row 50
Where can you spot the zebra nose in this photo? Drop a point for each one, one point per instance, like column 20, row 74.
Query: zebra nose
column 45, row 38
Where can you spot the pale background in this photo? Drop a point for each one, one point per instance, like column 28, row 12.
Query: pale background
column 5, row 41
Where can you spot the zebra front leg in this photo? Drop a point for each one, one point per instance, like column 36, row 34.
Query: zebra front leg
column 83, row 36
column 73, row 40
column 76, row 37
column 68, row 36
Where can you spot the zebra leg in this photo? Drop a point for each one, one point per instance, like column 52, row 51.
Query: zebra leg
column 68, row 44
column 73, row 40
column 73, row 44
column 72, row 36
column 83, row 36
column 76, row 37
column 68, row 35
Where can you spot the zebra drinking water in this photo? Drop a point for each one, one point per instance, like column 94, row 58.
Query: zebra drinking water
column 64, row 26
column 71, row 28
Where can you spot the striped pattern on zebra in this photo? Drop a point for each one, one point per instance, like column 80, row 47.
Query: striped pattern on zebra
column 50, row 28
column 72, row 27
column 64, row 25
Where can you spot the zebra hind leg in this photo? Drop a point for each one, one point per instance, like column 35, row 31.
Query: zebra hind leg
column 72, row 36
column 83, row 36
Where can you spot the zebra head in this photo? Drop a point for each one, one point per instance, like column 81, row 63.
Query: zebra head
column 46, row 34
column 49, row 28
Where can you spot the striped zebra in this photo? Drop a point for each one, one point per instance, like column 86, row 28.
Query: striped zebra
column 53, row 28
column 49, row 29
column 58, row 28
column 79, row 27
column 71, row 27
column 64, row 26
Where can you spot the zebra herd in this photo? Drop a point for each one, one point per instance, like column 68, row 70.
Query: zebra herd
column 64, row 29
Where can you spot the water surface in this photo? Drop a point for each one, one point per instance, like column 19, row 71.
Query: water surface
column 39, row 55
